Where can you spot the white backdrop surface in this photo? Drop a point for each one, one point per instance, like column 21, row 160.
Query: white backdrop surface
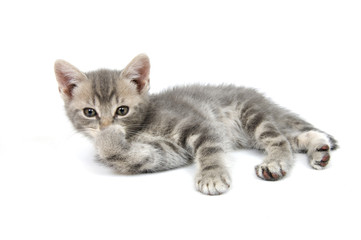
column 305, row 55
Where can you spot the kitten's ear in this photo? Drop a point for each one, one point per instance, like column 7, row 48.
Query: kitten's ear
column 137, row 72
column 68, row 77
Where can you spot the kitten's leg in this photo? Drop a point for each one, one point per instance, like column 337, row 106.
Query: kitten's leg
column 306, row 138
column 279, row 159
column 266, row 136
column 208, row 150
column 212, row 177
column 317, row 145
column 148, row 154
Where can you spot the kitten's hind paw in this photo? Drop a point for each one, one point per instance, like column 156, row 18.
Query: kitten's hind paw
column 213, row 182
column 320, row 157
column 270, row 172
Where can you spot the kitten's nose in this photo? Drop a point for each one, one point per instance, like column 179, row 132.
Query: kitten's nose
column 105, row 123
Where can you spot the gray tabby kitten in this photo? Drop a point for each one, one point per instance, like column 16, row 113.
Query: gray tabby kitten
column 135, row 132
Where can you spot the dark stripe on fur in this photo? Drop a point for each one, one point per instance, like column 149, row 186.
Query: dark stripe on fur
column 170, row 125
column 114, row 158
column 249, row 113
column 171, row 145
column 204, row 138
column 211, row 167
column 157, row 146
column 279, row 144
column 246, row 115
column 207, row 151
column 135, row 168
column 253, row 123
column 187, row 132
column 245, row 107
column 307, row 128
column 103, row 85
column 269, row 134
column 200, row 140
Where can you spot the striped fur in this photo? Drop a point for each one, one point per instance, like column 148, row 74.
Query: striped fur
column 185, row 124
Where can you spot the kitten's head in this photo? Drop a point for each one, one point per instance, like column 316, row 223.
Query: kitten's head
column 97, row 99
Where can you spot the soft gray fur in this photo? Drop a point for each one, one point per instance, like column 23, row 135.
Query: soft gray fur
column 197, row 123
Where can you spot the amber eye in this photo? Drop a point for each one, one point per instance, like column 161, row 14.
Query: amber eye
column 89, row 112
column 122, row 110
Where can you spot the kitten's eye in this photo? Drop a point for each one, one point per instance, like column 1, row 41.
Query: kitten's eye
column 122, row 110
column 89, row 112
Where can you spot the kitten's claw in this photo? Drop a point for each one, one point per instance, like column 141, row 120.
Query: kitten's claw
column 213, row 182
column 264, row 172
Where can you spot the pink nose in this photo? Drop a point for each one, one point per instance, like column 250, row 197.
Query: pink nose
column 105, row 123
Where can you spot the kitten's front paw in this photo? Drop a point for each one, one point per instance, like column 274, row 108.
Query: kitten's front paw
column 110, row 141
column 213, row 182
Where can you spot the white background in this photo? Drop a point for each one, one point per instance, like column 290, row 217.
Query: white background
column 305, row 55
